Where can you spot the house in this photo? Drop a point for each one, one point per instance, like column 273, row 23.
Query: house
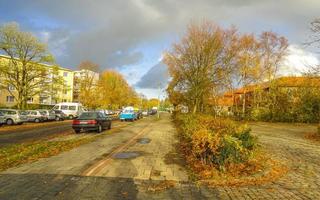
column 257, row 92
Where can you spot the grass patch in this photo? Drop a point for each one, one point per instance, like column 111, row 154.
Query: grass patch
column 17, row 154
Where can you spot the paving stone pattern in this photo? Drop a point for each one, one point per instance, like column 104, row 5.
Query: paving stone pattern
column 153, row 164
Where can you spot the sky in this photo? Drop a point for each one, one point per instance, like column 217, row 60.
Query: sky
column 131, row 35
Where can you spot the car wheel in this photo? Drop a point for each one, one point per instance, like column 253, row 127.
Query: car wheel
column 70, row 116
column 37, row 120
column 99, row 130
column 77, row 130
column 9, row 121
column 57, row 119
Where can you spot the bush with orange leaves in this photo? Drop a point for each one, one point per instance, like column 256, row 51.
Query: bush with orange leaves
column 217, row 142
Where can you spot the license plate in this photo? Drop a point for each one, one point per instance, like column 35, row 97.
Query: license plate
column 83, row 122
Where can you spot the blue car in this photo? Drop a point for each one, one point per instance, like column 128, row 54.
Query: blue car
column 128, row 115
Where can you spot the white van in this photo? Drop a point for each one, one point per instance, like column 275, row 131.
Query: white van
column 72, row 110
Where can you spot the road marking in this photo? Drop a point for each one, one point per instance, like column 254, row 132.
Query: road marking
column 98, row 166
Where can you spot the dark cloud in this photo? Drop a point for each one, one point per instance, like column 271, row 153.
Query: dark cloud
column 156, row 77
column 98, row 30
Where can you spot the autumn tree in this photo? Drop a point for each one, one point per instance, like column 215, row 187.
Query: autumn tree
column 22, row 72
column 115, row 91
column 248, row 66
column 314, row 40
column 258, row 61
column 86, row 81
column 199, row 64
column 153, row 102
column 273, row 48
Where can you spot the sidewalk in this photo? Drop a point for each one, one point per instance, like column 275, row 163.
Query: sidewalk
column 152, row 157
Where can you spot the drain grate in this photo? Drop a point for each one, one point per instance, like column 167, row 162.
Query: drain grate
column 126, row 155
column 143, row 140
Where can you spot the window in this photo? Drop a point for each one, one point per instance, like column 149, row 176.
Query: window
column 65, row 74
column 10, row 99
column 11, row 87
column 9, row 112
column 64, row 107
column 56, row 107
column 72, row 108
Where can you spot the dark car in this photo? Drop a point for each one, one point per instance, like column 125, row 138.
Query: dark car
column 60, row 116
column 91, row 121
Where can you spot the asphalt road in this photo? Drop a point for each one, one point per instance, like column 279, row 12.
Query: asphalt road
column 31, row 132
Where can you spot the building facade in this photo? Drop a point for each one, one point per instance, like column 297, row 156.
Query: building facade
column 62, row 94
column 246, row 96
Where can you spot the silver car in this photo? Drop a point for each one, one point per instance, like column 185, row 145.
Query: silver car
column 35, row 116
column 1, row 119
column 12, row 116
column 48, row 115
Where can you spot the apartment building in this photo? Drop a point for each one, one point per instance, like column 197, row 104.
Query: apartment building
column 64, row 94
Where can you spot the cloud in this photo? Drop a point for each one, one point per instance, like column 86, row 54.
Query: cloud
column 156, row 77
column 110, row 32
column 298, row 61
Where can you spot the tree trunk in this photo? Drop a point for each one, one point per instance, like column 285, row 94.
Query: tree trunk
column 244, row 104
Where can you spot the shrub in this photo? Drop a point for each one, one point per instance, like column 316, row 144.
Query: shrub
column 260, row 114
column 217, row 142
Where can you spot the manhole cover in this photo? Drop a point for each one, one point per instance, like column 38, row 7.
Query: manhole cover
column 126, row 155
column 144, row 140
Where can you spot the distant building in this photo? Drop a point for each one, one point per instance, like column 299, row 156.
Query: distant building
column 288, row 84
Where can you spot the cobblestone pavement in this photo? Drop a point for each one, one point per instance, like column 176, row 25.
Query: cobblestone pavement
column 149, row 167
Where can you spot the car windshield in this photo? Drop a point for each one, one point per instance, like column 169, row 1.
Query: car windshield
column 23, row 112
column 72, row 108
column 43, row 112
column 128, row 111
column 88, row 115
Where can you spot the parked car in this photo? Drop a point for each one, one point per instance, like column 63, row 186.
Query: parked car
column 48, row 115
column 91, row 121
column 72, row 110
column 2, row 119
column 145, row 113
column 12, row 116
column 138, row 113
column 128, row 114
column 60, row 116
column 35, row 116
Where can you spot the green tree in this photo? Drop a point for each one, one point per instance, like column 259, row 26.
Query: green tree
column 23, row 71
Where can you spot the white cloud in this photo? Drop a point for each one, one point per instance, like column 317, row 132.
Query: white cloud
column 298, row 61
